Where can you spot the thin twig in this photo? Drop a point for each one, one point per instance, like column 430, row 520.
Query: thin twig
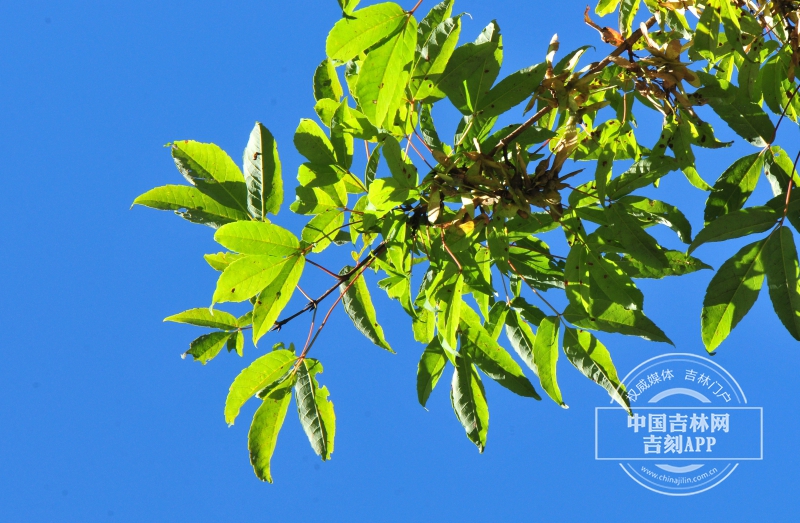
column 786, row 108
column 318, row 266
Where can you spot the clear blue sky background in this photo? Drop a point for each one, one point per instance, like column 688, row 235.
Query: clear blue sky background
column 100, row 420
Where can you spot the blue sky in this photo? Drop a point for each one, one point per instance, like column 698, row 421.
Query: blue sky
column 100, row 420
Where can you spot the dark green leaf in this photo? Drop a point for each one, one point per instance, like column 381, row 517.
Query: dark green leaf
column 783, row 278
column 469, row 401
column 358, row 306
column 308, row 410
column 472, row 69
column 511, row 91
column 191, row 204
column 430, row 368
column 594, row 361
column 732, row 292
column 641, row 174
column 734, row 186
column 491, row 358
column 326, row 82
column 736, row 224
column 607, row 316
column 678, row 264
column 207, row 346
column 641, row 245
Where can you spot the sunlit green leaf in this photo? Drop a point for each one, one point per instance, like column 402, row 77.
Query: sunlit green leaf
column 191, row 204
column 275, row 296
column 245, row 277
column 263, row 434
column 326, row 82
column 259, row 375
column 257, row 238
column 545, row 357
column 366, row 27
column 203, row 317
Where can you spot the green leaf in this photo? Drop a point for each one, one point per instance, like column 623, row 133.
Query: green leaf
column 211, row 170
column 641, row 174
column 262, row 173
column 424, row 325
column 326, row 82
column 496, row 319
column 450, row 304
column 259, row 375
column 590, row 357
column 257, row 238
column 545, row 357
column 678, row 264
column 245, row 277
column 400, row 165
column 321, row 229
column 191, row 204
column 469, row 401
column 221, row 260
column 511, row 91
column 308, row 409
column 205, row 318
column 386, row 193
column 275, row 296
column 311, row 141
column 707, row 36
column 736, row 224
column 775, row 85
column 429, row 370
column 730, row 22
column 365, row 28
column 732, row 292
column 348, row 6
column 608, row 316
column 472, row 69
column 263, row 434
column 491, row 358
column 605, row 7
column 627, row 12
column 236, row 343
column 358, row 306
column 640, row 244
column 521, row 337
column 734, row 186
column 433, row 57
column 783, row 279
column 384, row 76
column 612, row 282
column 207, row 346
column 325, row 408
column 659, row 212
column 744, row 117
